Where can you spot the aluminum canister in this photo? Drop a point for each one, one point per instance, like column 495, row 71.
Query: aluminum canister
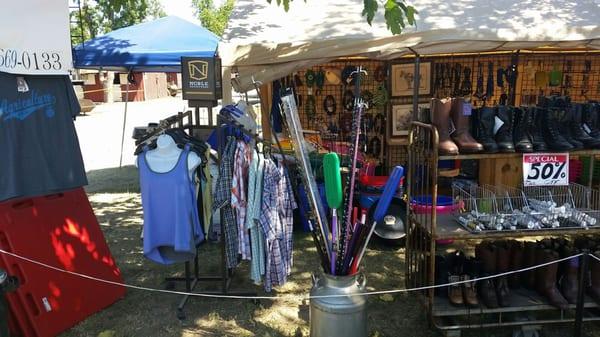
column 343, row 316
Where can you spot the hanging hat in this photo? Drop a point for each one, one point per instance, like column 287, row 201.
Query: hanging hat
column 333, row 76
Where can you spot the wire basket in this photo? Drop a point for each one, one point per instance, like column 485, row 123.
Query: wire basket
column 477, row 209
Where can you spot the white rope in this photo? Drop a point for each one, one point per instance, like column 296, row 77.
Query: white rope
column 290, row 297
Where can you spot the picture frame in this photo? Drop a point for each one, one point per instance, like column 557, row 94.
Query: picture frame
column 402, row 79
column 400, row 119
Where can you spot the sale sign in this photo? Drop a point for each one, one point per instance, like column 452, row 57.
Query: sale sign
column 545, row 169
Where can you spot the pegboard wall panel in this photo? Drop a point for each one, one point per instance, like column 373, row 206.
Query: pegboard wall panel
column 340, row 119
column 397, row 155
column 576, row 75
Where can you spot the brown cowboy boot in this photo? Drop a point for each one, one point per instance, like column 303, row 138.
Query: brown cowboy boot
column 502, row 266
column 461, row 136
column 569, row 282
column 546, row 278
column 486, row 253
column 594, row 287
column 440, row 118
column 516, row 263
column 528, row 277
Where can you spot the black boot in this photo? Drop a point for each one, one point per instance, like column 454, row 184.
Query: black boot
column 590, row 119
column 535, row 130
column 578, row 131
column 522, row 119
column 551, row 132
column 483, row 120
column 504, row 136
column 566, row 117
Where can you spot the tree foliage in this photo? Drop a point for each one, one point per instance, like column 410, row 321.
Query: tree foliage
column 212, row 17
column 103, row 16
column 397, row 13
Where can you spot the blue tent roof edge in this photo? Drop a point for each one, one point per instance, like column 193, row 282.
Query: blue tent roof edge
column 149, row 46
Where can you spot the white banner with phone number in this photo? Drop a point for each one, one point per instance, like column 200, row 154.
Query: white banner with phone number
column 545, row 169
column 35, row 38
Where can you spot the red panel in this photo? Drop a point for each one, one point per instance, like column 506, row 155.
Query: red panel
column 60, row 230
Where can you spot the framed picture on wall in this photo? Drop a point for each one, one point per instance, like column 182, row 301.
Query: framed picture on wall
column 400, row 117
column 403, row 79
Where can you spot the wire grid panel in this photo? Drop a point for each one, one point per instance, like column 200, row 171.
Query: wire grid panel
column 579, row 73
column 397, row 155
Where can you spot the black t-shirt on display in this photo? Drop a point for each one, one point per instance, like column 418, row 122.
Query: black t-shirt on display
column 39, row 149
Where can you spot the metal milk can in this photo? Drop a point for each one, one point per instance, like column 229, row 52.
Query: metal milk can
column 344, row 316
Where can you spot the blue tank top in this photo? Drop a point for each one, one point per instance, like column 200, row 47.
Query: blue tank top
column 171, row 224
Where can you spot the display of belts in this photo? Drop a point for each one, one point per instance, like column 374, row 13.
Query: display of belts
column 500, row 178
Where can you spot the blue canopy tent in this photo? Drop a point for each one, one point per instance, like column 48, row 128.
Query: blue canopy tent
column 155, row 46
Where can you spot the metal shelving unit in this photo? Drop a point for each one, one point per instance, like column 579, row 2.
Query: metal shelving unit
column 425, row 228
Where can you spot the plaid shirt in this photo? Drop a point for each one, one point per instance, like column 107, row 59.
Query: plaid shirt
column 239, row 196
column 287, row 216
column 277, row 224
column 257, row 241
column 222, row 201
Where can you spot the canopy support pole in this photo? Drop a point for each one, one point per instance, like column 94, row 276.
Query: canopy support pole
column 417, row 84
column 124, row 120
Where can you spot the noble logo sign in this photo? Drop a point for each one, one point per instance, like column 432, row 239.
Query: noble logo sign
column 545, row 169
column 198, row 70
column 201, row 77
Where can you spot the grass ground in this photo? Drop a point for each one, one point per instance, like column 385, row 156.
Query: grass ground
column 116, row 201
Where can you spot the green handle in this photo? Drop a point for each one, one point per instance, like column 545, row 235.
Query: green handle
column 333, row 180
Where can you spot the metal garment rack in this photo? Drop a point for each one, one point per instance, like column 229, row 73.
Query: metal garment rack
column 424, row 229
column 192, row 280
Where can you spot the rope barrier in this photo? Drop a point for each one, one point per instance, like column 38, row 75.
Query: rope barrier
column 290, row 297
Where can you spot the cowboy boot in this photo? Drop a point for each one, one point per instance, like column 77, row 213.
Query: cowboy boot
column 594, row 285
column 546, row 278
column 440, row 118
column 486, row 253
column 569, row 281
column 504, row 135
column 502, row 266
column 472, row 271
column 522, row 118
column 552, row 133
column 516, row 263
column 455, row 270
column 483, row 120
column 535, row 130
column 528, row 277
column 461, row 136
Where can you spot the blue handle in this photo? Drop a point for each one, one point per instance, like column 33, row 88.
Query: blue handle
column 388, row 193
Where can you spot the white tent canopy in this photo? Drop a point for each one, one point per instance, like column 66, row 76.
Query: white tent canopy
column 265, row 42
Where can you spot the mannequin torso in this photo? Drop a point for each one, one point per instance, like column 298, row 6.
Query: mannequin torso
column 165, row 156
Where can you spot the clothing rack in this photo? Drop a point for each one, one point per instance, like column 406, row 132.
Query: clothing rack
column 190, row 278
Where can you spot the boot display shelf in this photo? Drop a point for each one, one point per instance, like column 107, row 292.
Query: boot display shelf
column 427, row 229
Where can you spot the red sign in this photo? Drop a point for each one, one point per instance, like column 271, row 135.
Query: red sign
column 545, row 169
